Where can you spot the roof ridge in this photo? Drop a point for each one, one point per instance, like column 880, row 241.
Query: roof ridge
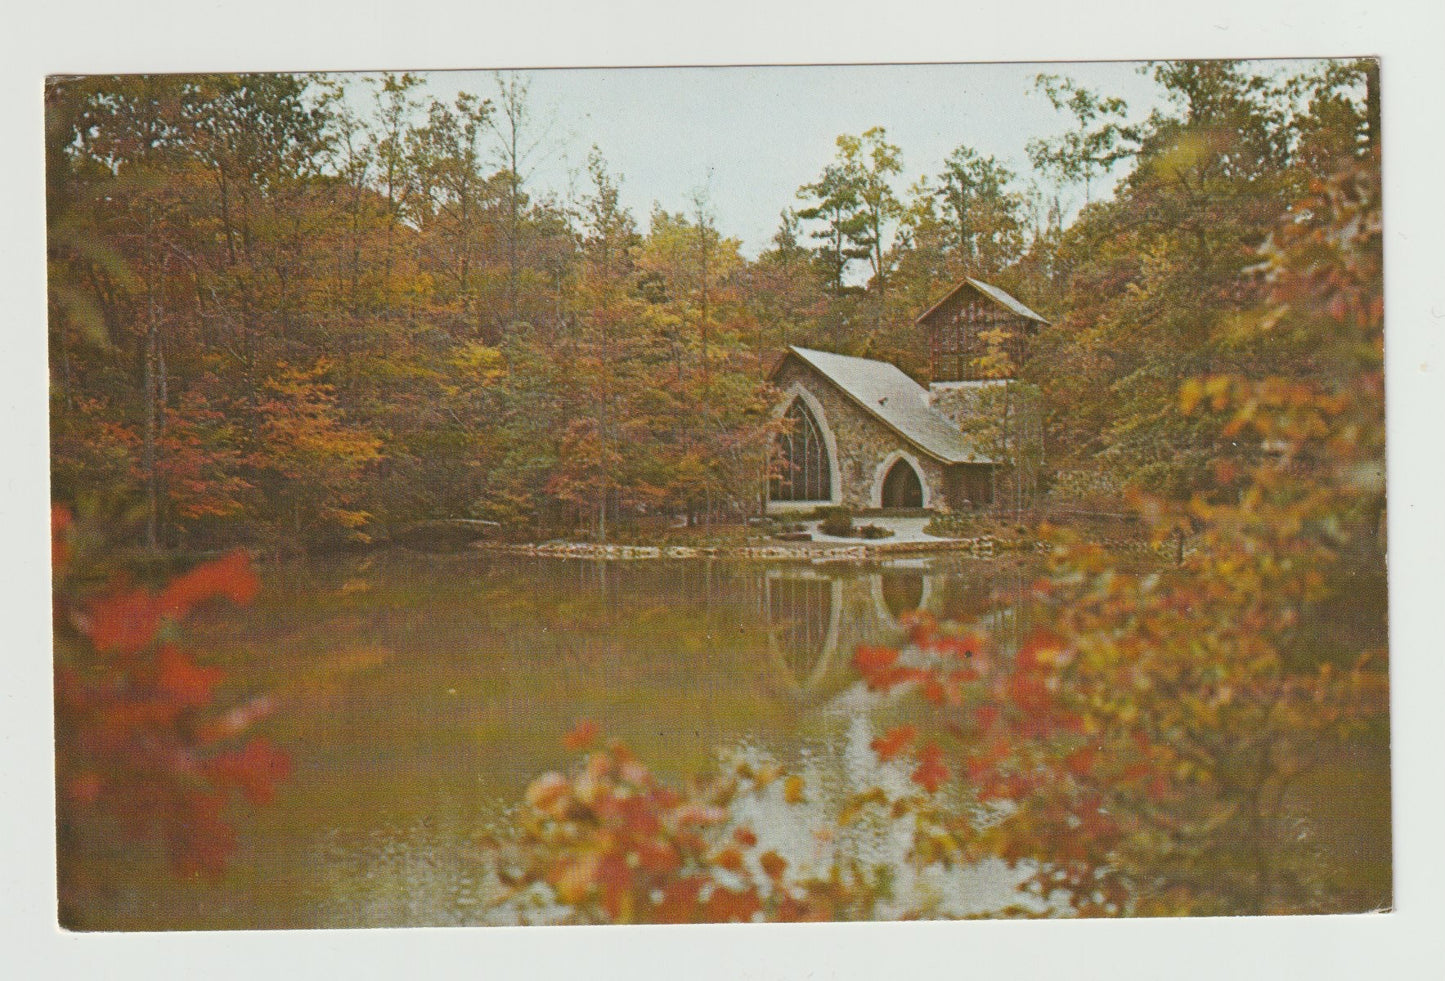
column 997, row 294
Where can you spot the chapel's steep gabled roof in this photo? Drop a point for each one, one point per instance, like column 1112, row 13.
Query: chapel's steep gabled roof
column 1000, row 297
column 890, row 396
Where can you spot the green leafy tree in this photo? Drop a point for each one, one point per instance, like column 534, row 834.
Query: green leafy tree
column 1153, row 281
column 981, row 215
column 1102, row 137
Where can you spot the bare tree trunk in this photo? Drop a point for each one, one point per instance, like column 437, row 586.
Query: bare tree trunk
column 513, row 222
column 389, row 296
column 165, row 531
column 602, row 441
column 704, row 226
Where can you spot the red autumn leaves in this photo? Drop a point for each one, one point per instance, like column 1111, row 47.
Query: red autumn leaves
column 894, row 741
column 947, row 671
column 124, row 621
column 189, row 685
column 138, row 740
column 931, row 772
column 613, row 843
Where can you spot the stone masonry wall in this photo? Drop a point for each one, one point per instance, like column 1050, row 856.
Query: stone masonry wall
column 863, row 442
column 1003, row 420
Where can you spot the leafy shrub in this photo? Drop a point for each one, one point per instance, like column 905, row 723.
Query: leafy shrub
column 1147, row 736
column 612, row 843
column 952, row 526
column 837, row 521
column 873, row 531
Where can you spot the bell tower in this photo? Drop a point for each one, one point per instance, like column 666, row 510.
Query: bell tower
column 977, row 332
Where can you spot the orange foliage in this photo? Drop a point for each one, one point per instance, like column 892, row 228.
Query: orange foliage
column 894, row 742
column 582, row 736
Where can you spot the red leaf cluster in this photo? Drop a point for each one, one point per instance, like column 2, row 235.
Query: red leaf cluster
column 125, row 621
column 582, row 736
column 895, row 741
column 138, row 740
column 255, row 769
column 931, row 772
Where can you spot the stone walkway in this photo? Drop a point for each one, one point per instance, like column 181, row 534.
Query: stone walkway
column 904, row 530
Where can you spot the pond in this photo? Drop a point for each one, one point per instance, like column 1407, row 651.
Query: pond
column 418, row 695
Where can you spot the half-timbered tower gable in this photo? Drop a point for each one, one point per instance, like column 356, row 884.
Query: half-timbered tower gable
column 977, row 332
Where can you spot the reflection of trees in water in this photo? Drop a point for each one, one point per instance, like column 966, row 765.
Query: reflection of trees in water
column 816, row 618
column 758, row 656
column 498, row 655
column 995, row 597
column 680, row 657
column 837, row 765
column 1011, row 608
column 698, row 588
column 798, row 625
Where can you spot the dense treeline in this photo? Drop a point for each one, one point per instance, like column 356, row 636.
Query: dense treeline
column 279, row 316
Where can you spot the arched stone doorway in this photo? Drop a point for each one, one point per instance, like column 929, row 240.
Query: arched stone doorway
column 902, row 487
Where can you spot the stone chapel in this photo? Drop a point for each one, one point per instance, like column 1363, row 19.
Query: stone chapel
column 863, row 434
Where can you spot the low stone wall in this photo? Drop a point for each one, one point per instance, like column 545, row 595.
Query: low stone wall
column 982, row 547
column 985, row 547
column 1167, row 549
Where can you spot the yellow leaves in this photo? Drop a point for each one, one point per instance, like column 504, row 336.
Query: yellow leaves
column 574, row 879
column 294, row 382
column 1217, row 387
column 479, row 362
column 1191, row 392
column 855, row 804
column 347, row 518
column 309, row 441
column 936, row 846
column 1220, row 390
column 761, row 776
column 1182, row 156
column 1240, row 327
column 793, row 789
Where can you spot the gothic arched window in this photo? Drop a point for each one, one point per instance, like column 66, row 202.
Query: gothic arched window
column 803, row 474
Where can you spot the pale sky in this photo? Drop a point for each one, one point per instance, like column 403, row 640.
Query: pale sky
column 754, row 135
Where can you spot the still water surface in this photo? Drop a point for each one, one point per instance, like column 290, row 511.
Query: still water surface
column 420, row 694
